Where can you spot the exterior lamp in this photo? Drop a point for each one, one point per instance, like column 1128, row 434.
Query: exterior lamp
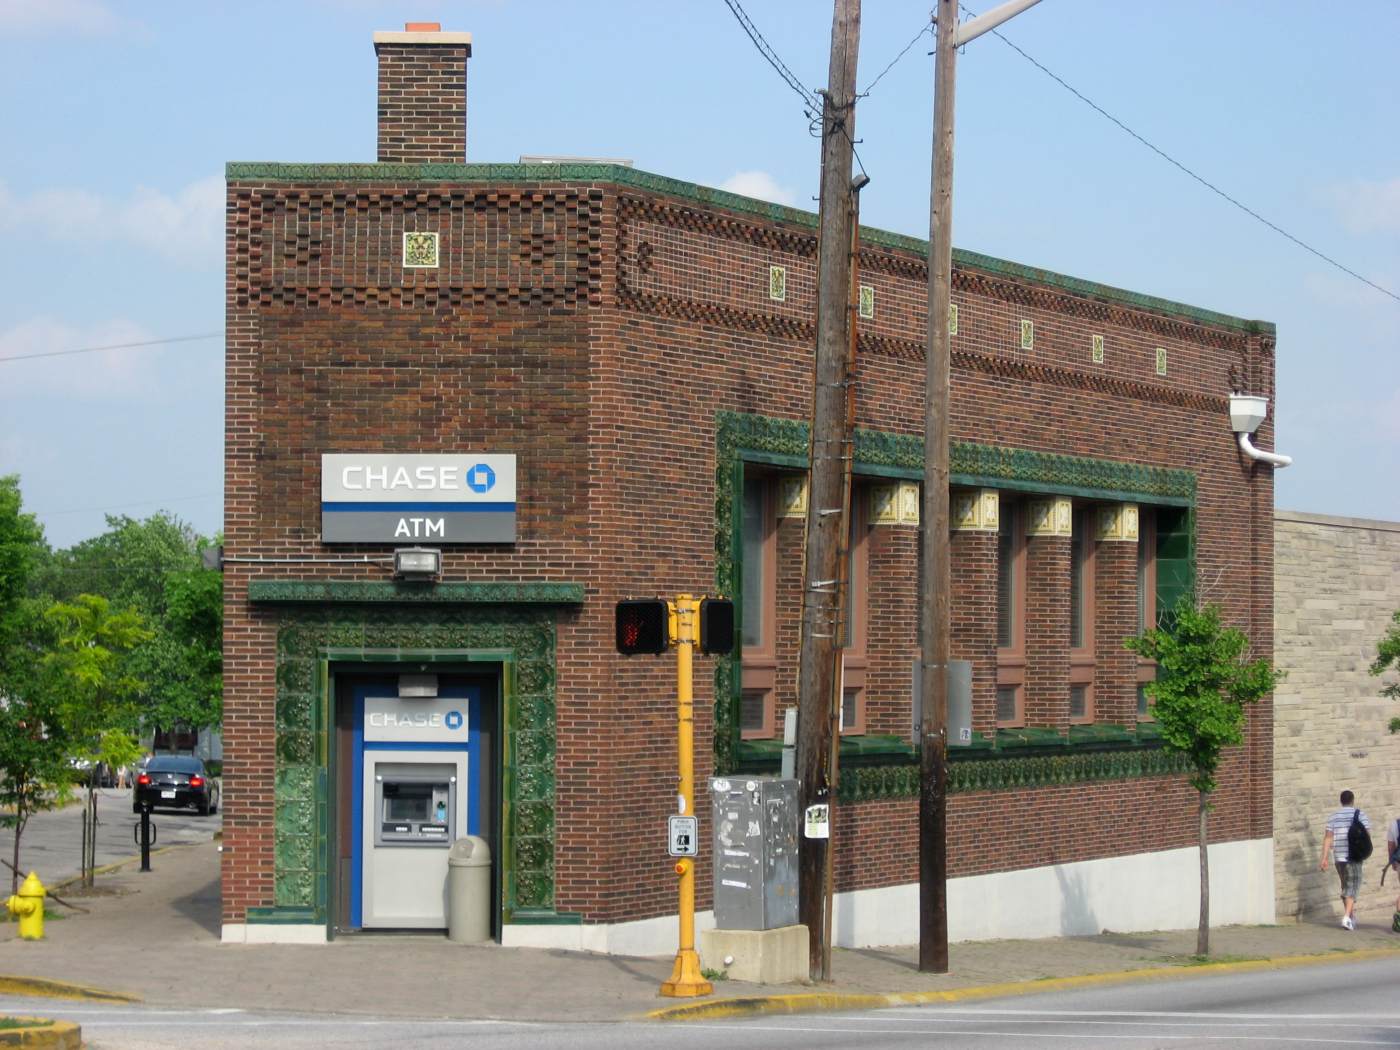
column 417, row 563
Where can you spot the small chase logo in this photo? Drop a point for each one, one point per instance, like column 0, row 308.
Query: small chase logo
column 453, row 720
column 481, row 478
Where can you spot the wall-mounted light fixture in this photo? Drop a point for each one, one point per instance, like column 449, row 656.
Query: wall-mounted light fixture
column 417, row 686
column 417, row 563
column 1246, row 413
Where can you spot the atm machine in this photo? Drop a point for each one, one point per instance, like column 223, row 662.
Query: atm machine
column 414, row 802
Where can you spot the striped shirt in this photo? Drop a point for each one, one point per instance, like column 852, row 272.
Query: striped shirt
column 1337, row 824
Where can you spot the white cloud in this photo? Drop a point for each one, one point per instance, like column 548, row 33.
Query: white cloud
column 88, row 17
column 186, row 227
column 89, row 376
column 1368, row 205
column 761, row 185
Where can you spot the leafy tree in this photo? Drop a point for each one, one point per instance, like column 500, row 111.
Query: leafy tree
column 1388, row 656
column 34, row 769
column 155, row 567
column 98, row 710
column 1205, row 679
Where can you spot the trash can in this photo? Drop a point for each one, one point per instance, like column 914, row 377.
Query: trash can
column 469, row 891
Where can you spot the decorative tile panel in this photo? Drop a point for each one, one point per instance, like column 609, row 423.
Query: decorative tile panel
column 420, row 250
column 1161, row 360
column 976, row 510
column 1096, row 348
column 777, row 283
column 1118, row 522
column 884, row 504
column 909, row 502
column 792, row 496
column 952, row 318
column 1027, row 335
column 1050, row 517
column 867, row 301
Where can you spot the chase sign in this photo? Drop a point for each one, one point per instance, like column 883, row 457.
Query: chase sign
column 419, row 498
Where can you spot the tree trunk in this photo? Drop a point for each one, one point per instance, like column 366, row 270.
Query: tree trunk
column 1203, row 931
column 21, row 819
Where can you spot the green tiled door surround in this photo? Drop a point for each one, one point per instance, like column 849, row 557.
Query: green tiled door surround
column 315, row 640
column 884, row 767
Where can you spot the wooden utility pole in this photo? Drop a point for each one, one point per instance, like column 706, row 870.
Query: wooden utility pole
column 933, row 587
column 934, row 627
column 830, row 449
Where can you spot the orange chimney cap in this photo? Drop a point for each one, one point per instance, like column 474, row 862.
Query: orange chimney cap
column 422, row 27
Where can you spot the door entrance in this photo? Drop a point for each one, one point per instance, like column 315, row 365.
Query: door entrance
column 415, row 755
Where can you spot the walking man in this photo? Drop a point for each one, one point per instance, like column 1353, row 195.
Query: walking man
column 1335, row 839
column 1392, row 840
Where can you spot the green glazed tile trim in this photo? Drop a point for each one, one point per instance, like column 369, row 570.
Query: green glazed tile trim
column 279, row 916
column 867, row 783
column 617, row 174
column 521, row 638
column 375, row 592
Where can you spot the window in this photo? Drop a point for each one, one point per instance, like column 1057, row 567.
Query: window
column 1011, row 614
column 855, row 616
column 758, row 605
column 1081, row 617
column 1146, row 603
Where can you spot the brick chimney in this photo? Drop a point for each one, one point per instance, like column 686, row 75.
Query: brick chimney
column 423, row 94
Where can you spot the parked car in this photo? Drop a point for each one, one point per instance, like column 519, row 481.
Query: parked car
column 176, row 781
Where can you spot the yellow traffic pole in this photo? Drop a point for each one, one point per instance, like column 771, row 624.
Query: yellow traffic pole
column 686, row 979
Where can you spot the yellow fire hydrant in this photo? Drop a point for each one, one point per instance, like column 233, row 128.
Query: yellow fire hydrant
column 28, row 904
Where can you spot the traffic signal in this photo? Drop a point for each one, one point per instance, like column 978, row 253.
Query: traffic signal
column 716, row 626
column 643, row 626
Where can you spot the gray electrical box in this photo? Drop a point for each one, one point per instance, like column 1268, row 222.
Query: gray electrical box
column 755, row 858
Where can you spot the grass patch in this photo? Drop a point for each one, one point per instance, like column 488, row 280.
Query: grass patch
column 10, row 1024
column 714, row 975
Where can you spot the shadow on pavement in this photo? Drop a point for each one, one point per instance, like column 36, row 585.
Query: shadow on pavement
column 202, row 907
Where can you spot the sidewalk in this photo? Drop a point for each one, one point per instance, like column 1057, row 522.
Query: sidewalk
column 156, row 937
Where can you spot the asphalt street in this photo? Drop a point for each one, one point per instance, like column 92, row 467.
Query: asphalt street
column 52, row 843
column 1339, row 1005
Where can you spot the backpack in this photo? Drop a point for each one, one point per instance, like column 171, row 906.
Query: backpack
column 1358, row 839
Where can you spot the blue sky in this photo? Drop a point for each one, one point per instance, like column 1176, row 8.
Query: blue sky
column 120, row 116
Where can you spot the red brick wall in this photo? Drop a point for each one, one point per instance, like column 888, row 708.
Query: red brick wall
column 422, row 103
column 595, row 332
column 1115, row 668
column 1047, row 631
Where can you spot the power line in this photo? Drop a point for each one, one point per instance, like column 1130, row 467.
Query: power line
column 1184, row 169
column 114, row 346
column 809, row 98
column 871, row 86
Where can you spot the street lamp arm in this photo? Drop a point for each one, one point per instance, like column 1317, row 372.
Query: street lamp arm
column 975, row 27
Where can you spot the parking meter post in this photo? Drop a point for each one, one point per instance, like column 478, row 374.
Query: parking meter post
column 146, row 837
column 686, row 978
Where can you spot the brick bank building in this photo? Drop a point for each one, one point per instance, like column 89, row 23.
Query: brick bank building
column 616, row 367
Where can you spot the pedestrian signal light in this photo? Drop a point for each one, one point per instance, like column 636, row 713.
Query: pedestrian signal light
column 643, row 626
column 716, row 626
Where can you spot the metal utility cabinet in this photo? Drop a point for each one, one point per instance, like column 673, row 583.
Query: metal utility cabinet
column 755, row 858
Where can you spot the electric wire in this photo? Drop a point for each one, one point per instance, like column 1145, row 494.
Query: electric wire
column 114, row 346
column 1184, row 169
column 895, row 61
column 809, row 98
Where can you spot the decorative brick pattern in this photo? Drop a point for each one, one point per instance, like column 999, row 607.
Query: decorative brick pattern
column 613, row 329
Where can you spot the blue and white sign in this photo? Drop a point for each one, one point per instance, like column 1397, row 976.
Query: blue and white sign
column 418, row 721
column 418, row 498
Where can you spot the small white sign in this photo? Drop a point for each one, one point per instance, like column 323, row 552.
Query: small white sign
column 435, row 720
column 817, row 824
column 684, row 836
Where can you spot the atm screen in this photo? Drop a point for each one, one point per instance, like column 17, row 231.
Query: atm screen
column 408, row 801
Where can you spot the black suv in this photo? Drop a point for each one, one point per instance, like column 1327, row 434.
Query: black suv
column 176, row 780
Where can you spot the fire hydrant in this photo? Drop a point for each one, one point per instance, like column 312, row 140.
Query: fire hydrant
column 28, row 904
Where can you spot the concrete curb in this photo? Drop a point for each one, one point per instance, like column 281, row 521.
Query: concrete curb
column 16, row 984
column 50, row 1035
column 817, row 1002
column 105, row 869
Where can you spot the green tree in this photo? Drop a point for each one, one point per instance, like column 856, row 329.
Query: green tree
column 99, row 709
column 155, row 567
column 34, row 769
column 1387, row 657
column 1205, row 679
